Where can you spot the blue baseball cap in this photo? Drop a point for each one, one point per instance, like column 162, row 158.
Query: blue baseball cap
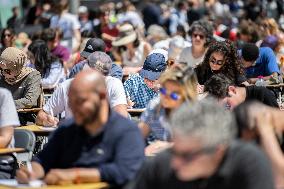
column 153, row 66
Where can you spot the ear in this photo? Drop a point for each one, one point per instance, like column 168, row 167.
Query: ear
column 232, row 89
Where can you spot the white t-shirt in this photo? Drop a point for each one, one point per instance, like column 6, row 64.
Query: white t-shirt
column 59, row 99
column 8, row 112
column 186, row 57
column 58, row 102
column 116, row 93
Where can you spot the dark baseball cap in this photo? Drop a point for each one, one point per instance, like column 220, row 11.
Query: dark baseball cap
column 100, row 61
column 92, row 45
column 153, row 66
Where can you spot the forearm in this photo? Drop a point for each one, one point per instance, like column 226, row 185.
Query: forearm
column 273, row 150
column 121, row 109
column 87, row 175
column 6, row 134
column 38, row 171
column 41, row 117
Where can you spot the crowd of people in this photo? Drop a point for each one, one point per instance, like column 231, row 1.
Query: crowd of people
column 199, row 71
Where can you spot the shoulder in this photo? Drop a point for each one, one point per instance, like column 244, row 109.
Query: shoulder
column 121, row 125
column 4, row 92
column 112, row 80
column 66, row 128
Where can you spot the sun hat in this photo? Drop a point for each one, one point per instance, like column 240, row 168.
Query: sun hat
column 126, row 35
column 153, row 66
column 92, row 45
column 82, row 10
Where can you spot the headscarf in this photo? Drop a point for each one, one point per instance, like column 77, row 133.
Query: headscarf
column 14, row 59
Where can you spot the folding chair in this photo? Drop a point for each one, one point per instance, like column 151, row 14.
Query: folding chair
column 24, row 139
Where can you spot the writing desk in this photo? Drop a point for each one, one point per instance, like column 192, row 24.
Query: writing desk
column 100, row 185
column 37, row 130
column 8, row 151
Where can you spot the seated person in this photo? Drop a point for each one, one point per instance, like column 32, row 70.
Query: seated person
column 92, row 45
column 58, row 102
column 177, row 85
column 258, row 62
column 99, row 145
column 221, row 57
column 205, row 154
column 260, row 123
column 52, row 37
column 50, row 67
column 8, row 120
column 23, row 82
column 142, row 87
column 231, row 95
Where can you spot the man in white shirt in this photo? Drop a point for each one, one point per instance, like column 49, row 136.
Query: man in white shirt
column 8, row 120
column 58, row 103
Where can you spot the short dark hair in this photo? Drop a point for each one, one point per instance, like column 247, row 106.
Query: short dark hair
column 250, row 52
column 48, row 34
column 218, row 85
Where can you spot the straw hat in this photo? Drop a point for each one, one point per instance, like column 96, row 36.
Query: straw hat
column 126, row 35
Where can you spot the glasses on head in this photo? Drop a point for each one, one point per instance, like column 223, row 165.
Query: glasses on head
column 189, row 156
column 173, row 95
column 217, row 62
column 195, row 35
column 6, row 71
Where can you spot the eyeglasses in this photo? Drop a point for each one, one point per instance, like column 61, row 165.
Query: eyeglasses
column 6, row 71
column 217, row 62
column 195, row 35
column 173, row 95
column 189, row 156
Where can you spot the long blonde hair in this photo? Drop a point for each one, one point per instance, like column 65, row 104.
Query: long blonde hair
column 186, row 77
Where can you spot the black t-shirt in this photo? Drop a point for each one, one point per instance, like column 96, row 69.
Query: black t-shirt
column 261, row 94
column 244, row 167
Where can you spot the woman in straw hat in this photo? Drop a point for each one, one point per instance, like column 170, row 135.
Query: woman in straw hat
column 23, row 82
column 131, row 51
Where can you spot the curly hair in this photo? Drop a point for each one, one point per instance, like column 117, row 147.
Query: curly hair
column 232, row 67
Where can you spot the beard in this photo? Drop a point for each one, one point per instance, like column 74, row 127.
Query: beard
column 93, row 116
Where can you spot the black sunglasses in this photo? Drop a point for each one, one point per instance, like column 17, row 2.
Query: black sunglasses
column 6, row 71
column 217, row 62
column 195, row 35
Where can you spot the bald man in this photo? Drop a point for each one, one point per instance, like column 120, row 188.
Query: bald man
column 98, row 145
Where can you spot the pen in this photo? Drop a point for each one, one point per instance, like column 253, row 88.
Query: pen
column 29, row 166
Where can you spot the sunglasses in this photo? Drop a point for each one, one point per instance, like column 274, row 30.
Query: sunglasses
column 173, row 95
column 217, row 62
column 7, row 35
column 195, row 35
column 189, row 156
column 6, row 71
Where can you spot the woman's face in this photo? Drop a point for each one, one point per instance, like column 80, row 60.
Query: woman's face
column 198, row 39
column 216, row 61
column 171, row 95
column 7, row 38
column 6, row 72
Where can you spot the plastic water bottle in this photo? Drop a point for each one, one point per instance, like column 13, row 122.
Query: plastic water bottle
column 260, row 81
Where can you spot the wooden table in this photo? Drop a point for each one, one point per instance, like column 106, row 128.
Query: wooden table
column 36, row 129
column 275, row 85
column 7, row 151
column 100, row 185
